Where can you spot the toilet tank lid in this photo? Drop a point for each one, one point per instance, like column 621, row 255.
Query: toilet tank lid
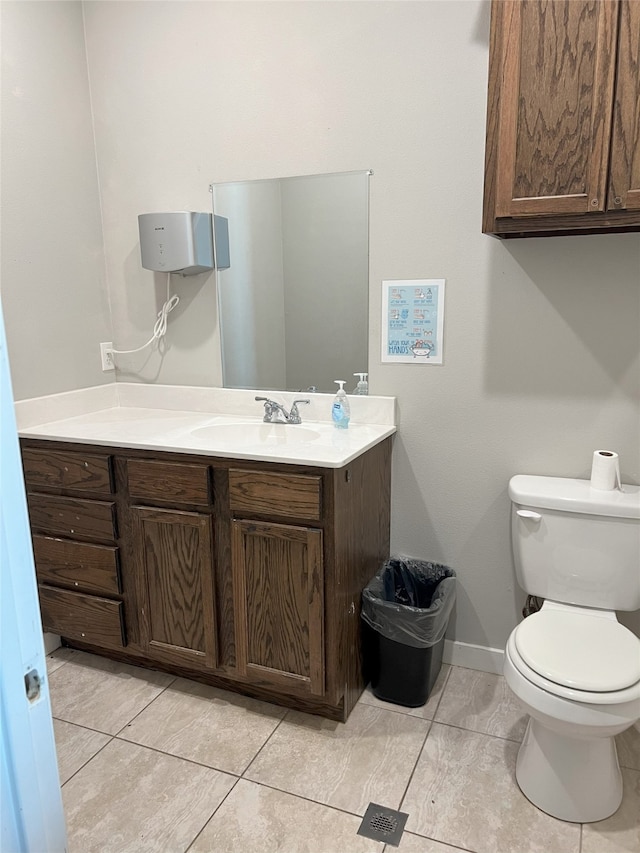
column 574, row 496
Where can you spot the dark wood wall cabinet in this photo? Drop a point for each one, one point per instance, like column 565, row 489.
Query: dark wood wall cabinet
column 563, row 118
column 243, row 575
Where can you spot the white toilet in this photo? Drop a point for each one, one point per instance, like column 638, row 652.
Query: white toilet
column 573, row 666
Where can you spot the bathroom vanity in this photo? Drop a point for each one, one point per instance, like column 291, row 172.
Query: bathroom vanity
column 244, row 573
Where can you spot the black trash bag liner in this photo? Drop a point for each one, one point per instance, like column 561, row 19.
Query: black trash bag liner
column 410, row 601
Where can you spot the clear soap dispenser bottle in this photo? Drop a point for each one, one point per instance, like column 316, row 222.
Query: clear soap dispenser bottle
column 362, row 387
column 340, row 411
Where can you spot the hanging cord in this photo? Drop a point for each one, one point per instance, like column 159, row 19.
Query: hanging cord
column 160, row 326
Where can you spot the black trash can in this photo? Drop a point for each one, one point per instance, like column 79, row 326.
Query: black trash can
column 405, row 612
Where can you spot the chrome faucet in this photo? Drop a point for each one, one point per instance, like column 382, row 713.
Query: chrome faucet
column 275, row 413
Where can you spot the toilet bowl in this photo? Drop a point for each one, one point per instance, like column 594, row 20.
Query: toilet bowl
column 567, row 764
column 572, row 665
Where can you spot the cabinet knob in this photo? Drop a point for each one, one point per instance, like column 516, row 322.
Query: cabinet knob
column 617, row 200
column 594, row 202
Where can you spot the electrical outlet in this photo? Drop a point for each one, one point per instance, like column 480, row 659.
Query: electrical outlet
column 106, row 355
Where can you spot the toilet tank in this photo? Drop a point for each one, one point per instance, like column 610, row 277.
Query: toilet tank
column 575, row 544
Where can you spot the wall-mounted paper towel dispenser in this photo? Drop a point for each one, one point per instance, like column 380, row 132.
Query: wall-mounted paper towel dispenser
column 182, row 242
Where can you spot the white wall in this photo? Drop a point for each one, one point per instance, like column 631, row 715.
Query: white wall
column 541, row 336
column 53, row 290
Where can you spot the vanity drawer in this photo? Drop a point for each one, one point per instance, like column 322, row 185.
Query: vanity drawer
column 176, row 482
column 67, row 469
column 87, row 618
column 72, row 516
column 92, row 568
column 288, row 495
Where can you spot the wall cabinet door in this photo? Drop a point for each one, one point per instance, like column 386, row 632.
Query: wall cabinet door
column 563, row 132
column 624, row 189
column 558, row 80
column 174, row 556
column 279, row 605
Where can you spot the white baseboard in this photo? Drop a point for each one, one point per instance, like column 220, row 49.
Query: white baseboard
column 51, row 642
column 473, row 657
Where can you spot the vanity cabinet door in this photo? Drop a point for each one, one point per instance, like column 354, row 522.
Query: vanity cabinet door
column 279, row 605
column 174, row 561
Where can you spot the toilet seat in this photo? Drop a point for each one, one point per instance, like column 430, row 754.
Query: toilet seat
column 584, row 697
column 587, row 652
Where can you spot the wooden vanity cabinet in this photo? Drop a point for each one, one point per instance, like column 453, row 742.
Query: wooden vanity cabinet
column 171, row 545
column 563, row 118
column 72, row 509
column 279, row 594
column 278, row 573
column 244, row 575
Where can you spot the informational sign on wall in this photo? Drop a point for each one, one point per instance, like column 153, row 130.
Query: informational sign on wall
column 413, row 321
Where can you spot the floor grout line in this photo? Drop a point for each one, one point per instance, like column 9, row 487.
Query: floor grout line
column 75, row 773
column 476, row 731
column 280, row 721
column 120, row 735
column 306, row 799
column 211, row 816
column 149, row 703
column 81, row 726
column 406, row 787
column 394, row 711
column 178, row 757
column 444, row 687
column 447, row 844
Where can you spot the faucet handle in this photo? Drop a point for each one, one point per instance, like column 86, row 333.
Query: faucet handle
column 270, row 409
column 269, row 404
column 294, row 414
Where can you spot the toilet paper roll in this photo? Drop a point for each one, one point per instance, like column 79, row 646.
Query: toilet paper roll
column 605, row 470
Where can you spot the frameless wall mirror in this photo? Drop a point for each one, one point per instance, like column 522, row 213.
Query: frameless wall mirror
column 293, row 304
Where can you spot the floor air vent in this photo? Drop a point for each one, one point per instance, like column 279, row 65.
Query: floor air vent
column 382, row 824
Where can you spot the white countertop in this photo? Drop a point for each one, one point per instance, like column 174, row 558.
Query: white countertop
column 214, row 422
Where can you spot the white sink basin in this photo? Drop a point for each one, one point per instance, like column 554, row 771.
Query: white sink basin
column 244, row 434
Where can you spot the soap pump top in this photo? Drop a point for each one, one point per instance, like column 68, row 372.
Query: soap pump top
column 362, row 387
column 340, row 411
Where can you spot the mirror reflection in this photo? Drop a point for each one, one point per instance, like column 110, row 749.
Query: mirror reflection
column 293, row 304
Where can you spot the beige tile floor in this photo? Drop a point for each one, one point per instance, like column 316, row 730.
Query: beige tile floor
column 155, row 764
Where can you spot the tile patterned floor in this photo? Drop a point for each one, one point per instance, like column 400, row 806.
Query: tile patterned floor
column 155, row 764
